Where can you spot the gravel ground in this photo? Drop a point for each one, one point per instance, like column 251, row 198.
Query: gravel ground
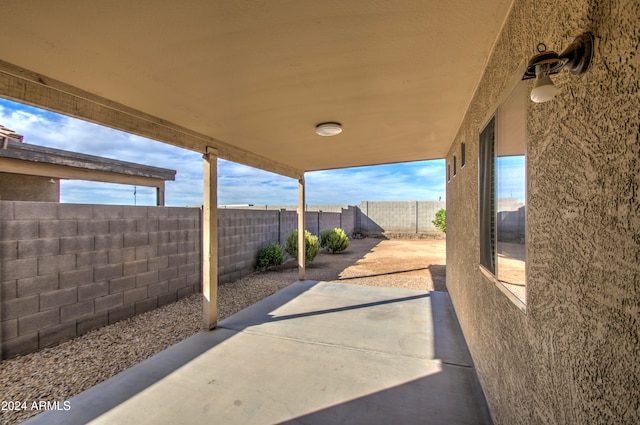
column 58, row 373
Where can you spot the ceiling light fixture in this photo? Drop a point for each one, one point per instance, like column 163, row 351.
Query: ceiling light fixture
column 576, row 58
column 328, row 129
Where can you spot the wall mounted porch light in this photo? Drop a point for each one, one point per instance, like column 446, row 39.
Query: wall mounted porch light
column 328, row 129
column 576, row 58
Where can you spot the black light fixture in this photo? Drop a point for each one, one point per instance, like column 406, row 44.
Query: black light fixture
column 576, row 58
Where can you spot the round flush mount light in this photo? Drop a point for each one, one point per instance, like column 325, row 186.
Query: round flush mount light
column 328, row 129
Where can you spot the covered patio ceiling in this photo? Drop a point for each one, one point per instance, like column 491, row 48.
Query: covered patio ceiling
column 252, row 78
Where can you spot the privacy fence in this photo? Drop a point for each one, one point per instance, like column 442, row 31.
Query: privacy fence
column 376, row 218
column 66, row 269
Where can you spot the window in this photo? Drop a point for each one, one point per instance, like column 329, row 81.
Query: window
column 455, row 167
column 463, row 155
column 502, row 194
column 486, row 198
column 448, row 173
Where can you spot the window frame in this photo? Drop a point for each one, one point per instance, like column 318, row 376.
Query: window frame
column 486, row 197
column 490, row 272
column 463, row 155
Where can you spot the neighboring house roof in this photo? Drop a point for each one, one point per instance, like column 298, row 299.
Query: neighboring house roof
column 21, row 158
column 57, row 157
column 7, row 135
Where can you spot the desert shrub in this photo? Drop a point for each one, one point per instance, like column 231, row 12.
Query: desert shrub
column 334, row 240
column 441, row 220
column 270, row 255
column 311, row 245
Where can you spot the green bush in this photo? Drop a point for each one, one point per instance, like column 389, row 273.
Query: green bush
column 311, row 245
column 441, row 220
column 334, row 240
column 270, row 255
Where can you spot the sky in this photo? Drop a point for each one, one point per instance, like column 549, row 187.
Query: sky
column 237, row 184
column 511, row 177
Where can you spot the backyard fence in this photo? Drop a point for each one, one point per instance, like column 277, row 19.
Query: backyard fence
column 66, row 269
column 399, row 218
column 380, row 218
column 242, row 232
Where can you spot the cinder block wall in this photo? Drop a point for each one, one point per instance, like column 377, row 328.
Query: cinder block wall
column 372, row 217
column 67, row 269
column 325, row 208
column 311, row 222
column 426, row 212
column 241, row 234
column 392, row 216
column 243, row 231
column 348, row 219
column 406, row 217
column 288, row 222
column 328, row 220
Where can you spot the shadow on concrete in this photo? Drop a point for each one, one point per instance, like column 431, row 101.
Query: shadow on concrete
column 435, row 395
column 439, row 393
column 265, row 317
column 438, row 275
column 382, row 274
column 383, row 355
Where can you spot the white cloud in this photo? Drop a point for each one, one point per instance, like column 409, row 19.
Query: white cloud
column 81, row 192
column 239, row 184
column 393, row 182
column 56, row 131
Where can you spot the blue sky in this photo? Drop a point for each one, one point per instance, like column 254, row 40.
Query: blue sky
column 511, row 178
column 237, row 184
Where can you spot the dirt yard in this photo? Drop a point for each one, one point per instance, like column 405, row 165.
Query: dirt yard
column 400, row 263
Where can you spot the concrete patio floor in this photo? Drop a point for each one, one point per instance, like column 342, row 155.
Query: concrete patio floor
column 313, row 353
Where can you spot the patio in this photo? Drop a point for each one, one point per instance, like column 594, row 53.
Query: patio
column 412, row 80
column 315, row 352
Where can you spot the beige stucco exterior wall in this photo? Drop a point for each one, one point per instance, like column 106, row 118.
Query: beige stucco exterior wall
column 574, row 356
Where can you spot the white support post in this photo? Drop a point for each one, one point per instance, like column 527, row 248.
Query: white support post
column 210, row 241
column 301, row 241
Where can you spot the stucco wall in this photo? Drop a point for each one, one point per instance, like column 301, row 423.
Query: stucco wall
column 574, row 356
column 20, row 187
